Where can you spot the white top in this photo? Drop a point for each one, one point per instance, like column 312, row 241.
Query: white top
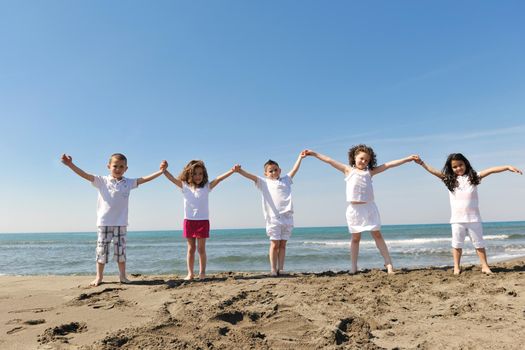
column 464, row 202
column 196, row 202
column 276, row 197
column 359, row 186
column 113, row 199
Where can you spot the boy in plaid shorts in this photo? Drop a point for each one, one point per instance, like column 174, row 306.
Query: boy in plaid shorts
column 112, row 209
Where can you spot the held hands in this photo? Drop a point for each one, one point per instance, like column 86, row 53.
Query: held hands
column 308, row 152
column 163, row 165
column 236, row 168
column 303, row 154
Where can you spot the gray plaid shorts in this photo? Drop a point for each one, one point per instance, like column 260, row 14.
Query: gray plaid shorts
column 107, row 234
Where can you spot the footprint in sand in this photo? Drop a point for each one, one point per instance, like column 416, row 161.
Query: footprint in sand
column 106, row 299
column 59, row 333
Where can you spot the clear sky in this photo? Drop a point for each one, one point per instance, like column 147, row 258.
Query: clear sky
column 243, row 81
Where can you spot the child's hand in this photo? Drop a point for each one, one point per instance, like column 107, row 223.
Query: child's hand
column 67, row 160
column 417, row 159
column 163, row 165
column 303, row 153
column 308, row 152
column 236, row 168
column 515, row 170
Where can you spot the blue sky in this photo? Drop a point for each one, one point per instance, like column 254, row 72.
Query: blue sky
column 243, row 81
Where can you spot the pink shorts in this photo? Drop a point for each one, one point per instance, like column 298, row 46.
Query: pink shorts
column 196, row 229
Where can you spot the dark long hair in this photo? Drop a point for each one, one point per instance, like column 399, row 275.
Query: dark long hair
column 450, row 178
column 352, row 152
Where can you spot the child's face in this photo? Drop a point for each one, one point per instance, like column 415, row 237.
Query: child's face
column 117, row 168
column 361, row 160
column 198, row 176
column 272, row 171
column 458, row 167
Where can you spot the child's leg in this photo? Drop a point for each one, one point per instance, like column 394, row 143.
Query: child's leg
column 122, row 272
column 190, row 257
column 475, row 231
column 459, row 232
column 354, row 251
column 383, row 249
column 100, row 275
column 201, row 246
column 281, row 255
column 104, row 238
column 274, row 254
column 119, row 251
column 482, row 254
column 456, row 254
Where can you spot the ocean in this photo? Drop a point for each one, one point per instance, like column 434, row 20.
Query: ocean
column 311, row 249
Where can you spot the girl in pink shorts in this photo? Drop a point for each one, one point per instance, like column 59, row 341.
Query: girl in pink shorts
column 193, row 181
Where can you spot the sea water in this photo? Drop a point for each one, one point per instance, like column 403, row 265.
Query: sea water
column 310, row 249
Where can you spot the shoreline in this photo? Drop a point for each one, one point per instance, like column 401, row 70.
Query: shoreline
column 428, row 308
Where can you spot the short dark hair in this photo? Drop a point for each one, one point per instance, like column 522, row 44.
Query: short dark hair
column 118, row 156
column 270, row 162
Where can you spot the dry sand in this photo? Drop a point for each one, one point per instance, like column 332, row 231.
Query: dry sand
column 414, row 309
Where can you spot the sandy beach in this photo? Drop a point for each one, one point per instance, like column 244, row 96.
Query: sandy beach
column 414, row 309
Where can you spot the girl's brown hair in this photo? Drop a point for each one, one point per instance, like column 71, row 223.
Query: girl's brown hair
column 187, row 173
column 352, row 152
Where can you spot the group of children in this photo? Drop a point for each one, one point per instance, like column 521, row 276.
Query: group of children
column 361, row 213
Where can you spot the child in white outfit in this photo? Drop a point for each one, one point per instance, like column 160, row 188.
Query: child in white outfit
column 277, row 208
column 361, row 212
column 112, row 209
column 462, row 182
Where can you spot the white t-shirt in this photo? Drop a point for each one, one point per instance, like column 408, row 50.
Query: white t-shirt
column 359, row 186
column 113, row 200
column 464, row 204
column 276, row 197
column 196, row 202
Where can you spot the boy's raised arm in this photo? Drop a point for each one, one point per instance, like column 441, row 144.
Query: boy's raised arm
column 393, row 164
column 499, row 169
column 339, row 166
column 297, row 164
column 144, row 179
column 68, row 161
column 237, row 169
column 219, row 178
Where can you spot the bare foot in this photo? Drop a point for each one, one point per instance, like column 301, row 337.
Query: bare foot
column 202, row 276
column 352, row 272
column 390, row 269
column 189, row 277
column 282, row 273
column 486, row 270
column 96, row 282
column 274, row 273
column 457, row 270
column 124, row 280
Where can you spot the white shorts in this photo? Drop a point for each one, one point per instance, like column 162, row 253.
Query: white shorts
column 473, row 229
column 363, row 217
column 280, row 229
